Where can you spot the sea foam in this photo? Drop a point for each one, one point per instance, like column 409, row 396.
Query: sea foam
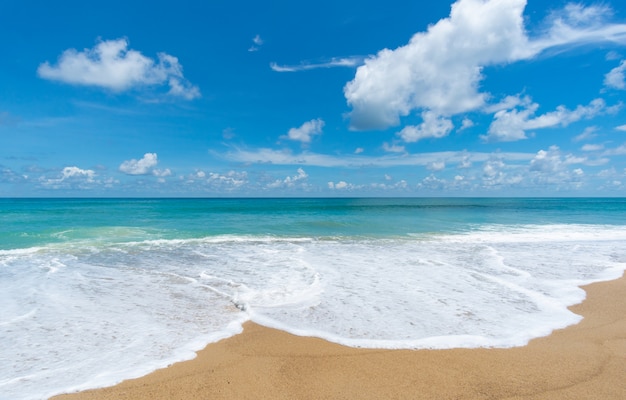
column 89, row 313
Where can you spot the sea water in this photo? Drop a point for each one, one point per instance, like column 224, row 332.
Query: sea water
column 94, row 291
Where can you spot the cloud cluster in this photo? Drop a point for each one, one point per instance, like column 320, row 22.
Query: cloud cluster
column 305, row 131
column 70, row 178
column 439, row 71
column 518, row 116
column 231, row 179
column 290, row 181
column 111, row 65
column 144, row 166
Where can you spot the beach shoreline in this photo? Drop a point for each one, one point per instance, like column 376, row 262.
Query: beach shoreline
column 583, row 361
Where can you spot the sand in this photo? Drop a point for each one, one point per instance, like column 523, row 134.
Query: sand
column 584, row 361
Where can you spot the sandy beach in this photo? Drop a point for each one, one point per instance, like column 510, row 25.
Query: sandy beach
column 584, row 361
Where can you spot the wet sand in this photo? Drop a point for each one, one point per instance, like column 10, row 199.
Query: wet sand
column 584, row 361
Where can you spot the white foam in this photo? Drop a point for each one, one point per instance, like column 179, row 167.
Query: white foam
column 74, row 312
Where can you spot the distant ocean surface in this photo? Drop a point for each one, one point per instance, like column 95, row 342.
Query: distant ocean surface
column 93, row 291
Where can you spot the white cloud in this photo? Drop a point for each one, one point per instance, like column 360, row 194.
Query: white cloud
column 441, row 69
column 305, row 131
column 436, row 166
column 615, row 78
column 71, row 177
column 231, row 179
column 546, row 161
column 181, row 88
column 161, row 173
column 608, row 173
column 341, row 185
column 359, row 150
column 465, row 163
column 269, row 156
column 215, row 181
column 508, row 103
column 551, row 167
column 140, row 167
column 349, row 62
column 111, row 65
column 393, row 148
column 612, row 55
column 289, row 181
column 257, row 43
column 618, row 151
column 497, row 173
column 432, row 126
column 621, row 128
column 577, row 24
column 588, row 133
column 592, row 147
column 467, row 123
column 511, row 125
column 73, row 172
column 431, row 182
column 492, row 169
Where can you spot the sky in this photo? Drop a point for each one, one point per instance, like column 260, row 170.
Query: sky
column 327, row 98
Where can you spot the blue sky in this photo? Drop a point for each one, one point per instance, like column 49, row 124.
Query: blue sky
column 284, row 98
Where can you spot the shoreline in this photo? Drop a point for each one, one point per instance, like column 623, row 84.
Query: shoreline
column 582, row 361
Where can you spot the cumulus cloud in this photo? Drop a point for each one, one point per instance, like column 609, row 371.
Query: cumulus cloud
column 511, row 124
column 71, row 177
column 432, row 126
column 289, row 181
column 110, row 64
column 546, row 161
column 142, row 166
column 615, row 78
column 393, row 148
column 440, row 70
column 466, row 124
column 552, row 167
column 341, row 185
column 231, row 179
column 305, row 131
column 73, row 172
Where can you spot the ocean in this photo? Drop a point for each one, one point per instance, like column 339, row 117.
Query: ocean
column 94, row 291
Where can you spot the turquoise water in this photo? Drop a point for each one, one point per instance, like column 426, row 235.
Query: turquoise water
column 34, row 222
column 99, row 290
